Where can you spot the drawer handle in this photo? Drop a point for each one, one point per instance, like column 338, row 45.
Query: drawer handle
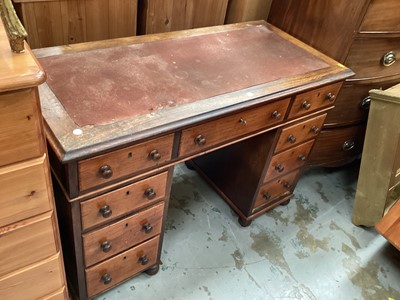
column 366, row 103
column 287, row 185
column 243, row 122
column 314, row 129
column 291, row 138
column 106, row 171
column 106, row 279
column 147, row 228
column 388, row 59
column 348, row 145
column 302, row 157
column 276, row 115
column 105, row 211
column 155, row 155
column 144, row 260
column 330, row 97
column 306, row 105
column 200, row 140
column 106, row 246
column 279, row 168
column 150, row 193
column 266, row 195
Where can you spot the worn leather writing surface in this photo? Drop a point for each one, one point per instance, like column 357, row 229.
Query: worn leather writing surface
column 106, row 85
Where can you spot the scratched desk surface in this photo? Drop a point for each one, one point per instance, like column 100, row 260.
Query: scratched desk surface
column 122, row 91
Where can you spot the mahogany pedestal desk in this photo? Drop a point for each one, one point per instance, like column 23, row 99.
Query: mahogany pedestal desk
column 243, row 102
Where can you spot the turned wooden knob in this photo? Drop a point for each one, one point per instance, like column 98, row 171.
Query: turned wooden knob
column 291, row 138
column 276, row 115
column 106, row 171
column 105, row 211
column 106, row 246
column 147, row 228
column 200, row 140
column 314, row 129
column 330, row 97
column 155, row 155
column 150, row 193
column 144, row 260
column 279, row 168
column 106, row 279
column 306, row 105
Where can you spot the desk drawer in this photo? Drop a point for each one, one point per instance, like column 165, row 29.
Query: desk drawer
column 122, row 201
column 298, row 133
column 367, row 57
column 314, row 100
column 216, row 132
column 288, row 160
column 20, row 127
column 111, row 272
column 274, row 189
column 104, row 168
column 26, row 242
column 23, row 191
column 110, row 240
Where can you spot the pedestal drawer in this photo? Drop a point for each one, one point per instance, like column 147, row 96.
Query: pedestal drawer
column 24, row 192
column 201, row 137
column 109, row 273
column 26, row 242
column 104, row 168
column 313, row 100
column 276, row 188
column 110, row 240
column 288, row 160
column 124, row 200
column 300, row 132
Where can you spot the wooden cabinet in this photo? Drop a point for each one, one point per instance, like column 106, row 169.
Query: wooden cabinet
column 378, row 185
column 364, row 36
column 60, row 22
column 30, row 251
column 156, row 16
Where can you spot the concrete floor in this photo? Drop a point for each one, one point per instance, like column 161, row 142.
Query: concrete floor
column 308, row 249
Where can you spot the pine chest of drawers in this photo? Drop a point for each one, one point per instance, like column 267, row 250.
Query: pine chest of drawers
column 364, row 35
column 30, row 248
column 248, row 114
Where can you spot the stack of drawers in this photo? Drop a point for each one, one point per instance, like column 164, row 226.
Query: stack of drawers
column 31, row 263
column 280, row 154
column 116, row 232
column 364, row 36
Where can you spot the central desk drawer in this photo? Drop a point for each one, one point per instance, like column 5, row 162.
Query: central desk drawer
column 124, row 200
column 204, row 136
column 104, row 168
column 119, row 268
column 110, row 240
column 288, row 160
